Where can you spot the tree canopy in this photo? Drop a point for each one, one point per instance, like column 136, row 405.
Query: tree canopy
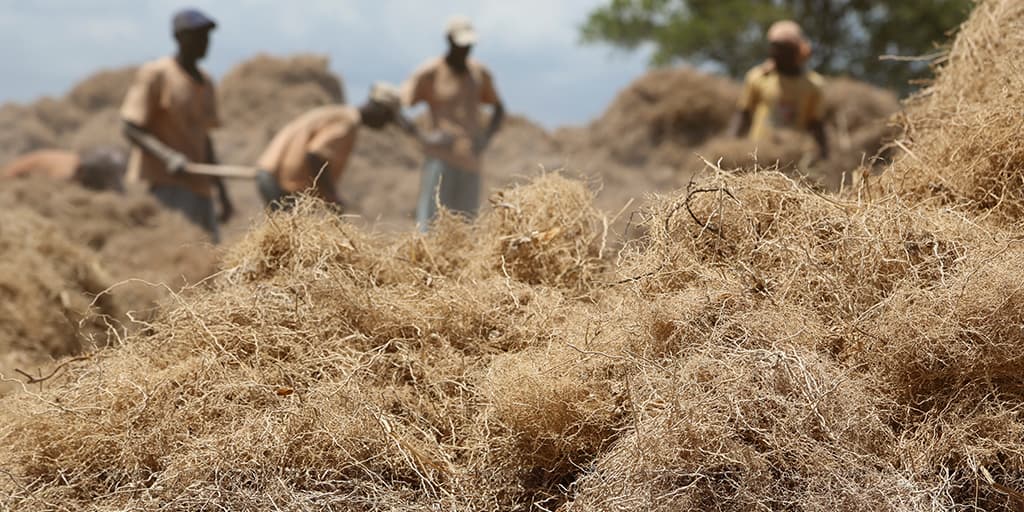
column 849, row 36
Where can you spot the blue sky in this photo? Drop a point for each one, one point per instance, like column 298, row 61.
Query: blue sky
column 531, row 45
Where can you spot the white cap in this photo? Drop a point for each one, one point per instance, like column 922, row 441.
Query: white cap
column 386, row 94
column 461, row 31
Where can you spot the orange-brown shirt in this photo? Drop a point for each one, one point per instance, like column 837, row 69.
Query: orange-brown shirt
column 180, row 112
column 328, row 132
column 51, row 163
column 779, row 101
column 454, row 100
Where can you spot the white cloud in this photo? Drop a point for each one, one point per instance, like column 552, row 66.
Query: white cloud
column 106, row 30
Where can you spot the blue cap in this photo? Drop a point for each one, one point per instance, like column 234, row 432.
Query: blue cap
column 191, row 19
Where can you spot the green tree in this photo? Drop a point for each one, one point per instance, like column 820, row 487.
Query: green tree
column 849, row 36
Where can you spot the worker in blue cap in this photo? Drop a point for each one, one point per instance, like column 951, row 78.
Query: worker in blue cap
column 168, row 114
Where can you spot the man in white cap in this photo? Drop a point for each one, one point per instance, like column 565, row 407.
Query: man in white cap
column 454, row 87
column 312, row 151
column 168, row 114
column 782, row 93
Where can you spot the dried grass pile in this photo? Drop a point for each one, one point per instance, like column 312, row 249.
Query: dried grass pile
column 806, row 248
column 859, row 127
column 102, row 90
column 668, row 122
column 664, row 108
column 146, row 250
column 852, row 106
column 762, row 346
column 50, row 294
column 963, row 133
column 806, row 352
column 84, row 118
column 262, row 94
column 365, row 350
column 759, row 346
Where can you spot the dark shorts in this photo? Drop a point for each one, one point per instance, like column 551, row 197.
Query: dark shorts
column 273, row 197
column 197, row 209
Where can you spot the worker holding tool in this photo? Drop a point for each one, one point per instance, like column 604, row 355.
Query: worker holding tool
column 168, row 114
column 311, row 152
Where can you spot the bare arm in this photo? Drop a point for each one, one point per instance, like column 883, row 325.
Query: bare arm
column 497, row 119
column 817, row 129
column 227, row 208
column 19, row 166
column 744, row 120
column 173, row 160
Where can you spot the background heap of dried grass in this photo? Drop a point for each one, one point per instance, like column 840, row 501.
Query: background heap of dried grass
column 669, row 120
column 262, row 94
column 63, row 245
column 963, row 132
column 84, row 118
column 759, row 346
column 132, row 235
column 48, row 295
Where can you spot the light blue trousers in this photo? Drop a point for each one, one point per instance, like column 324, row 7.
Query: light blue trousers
column 441, row 184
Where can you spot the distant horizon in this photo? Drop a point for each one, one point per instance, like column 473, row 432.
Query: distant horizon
column 540, row 69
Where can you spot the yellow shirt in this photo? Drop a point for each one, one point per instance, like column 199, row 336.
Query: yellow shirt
column 780, row 101
column 328, row 132
column 179, row 111
column 454, row 100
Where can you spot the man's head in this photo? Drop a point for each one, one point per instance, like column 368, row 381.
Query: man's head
column 192, row 31
column 102, row 169
column 461, row 38
column 382, row 107
column 789, row 47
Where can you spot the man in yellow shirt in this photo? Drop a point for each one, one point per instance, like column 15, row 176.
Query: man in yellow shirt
column 454, row 87
column 168, row 114
column 781, row 93
column 311, row 152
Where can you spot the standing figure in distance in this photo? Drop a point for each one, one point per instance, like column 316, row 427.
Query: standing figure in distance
column 168, row 114
column 781, row 92
column 454, row 87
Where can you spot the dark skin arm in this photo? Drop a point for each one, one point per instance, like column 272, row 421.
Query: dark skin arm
column 497, row 118
column 817, row 130
column 227, row 208
column 744, row 120
column 176, row 162
column 173, row 160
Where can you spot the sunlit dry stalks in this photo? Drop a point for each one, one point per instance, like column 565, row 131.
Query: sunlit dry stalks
column 759, row 345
